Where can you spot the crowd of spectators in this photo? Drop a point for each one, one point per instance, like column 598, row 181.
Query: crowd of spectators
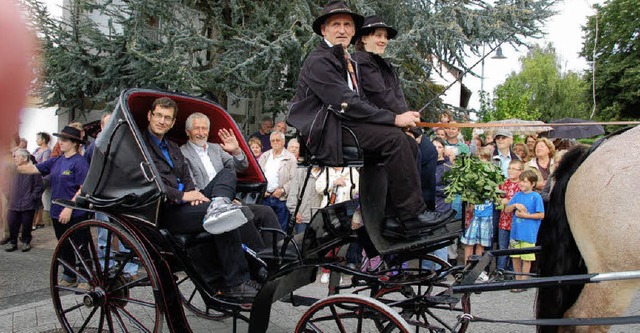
column 277, row 153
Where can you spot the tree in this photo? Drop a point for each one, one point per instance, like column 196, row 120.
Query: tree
column 616, row 27
column 250, row 49
column 540, row 91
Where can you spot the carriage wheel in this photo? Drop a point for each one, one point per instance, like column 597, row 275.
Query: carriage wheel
column 112, row 301
column 351, row 313
column 441, row 312
column 193, row 301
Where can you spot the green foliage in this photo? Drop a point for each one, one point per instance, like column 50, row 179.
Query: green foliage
column 474, row 180
column 617, row 70
column 540, row 91
column 251, row 49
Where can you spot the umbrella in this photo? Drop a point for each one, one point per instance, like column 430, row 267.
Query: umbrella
column 528, row 127
column 575, row 131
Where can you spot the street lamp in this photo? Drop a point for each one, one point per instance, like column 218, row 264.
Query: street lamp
column 498, row 55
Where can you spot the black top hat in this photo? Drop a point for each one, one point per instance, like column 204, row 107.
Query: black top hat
column 70, row 133
column 333, row 8
column 373, row 22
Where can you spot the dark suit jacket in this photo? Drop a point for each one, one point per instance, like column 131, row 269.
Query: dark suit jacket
column 380, row 82
column 168, row 174
column 314, row 110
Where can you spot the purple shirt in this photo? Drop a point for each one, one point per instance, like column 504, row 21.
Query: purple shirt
column 66, row 177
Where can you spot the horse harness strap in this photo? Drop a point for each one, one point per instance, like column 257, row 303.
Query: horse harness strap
column 560, row 321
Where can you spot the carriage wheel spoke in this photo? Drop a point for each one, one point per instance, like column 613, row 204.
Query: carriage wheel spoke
column 73, row 308
column 337, row 318
column 131, row 318
column 360, row 318
column 86, row 321
column 119, row 320
column 88, row 274
column 93, row 256
column 101, row 323
column 134, row 301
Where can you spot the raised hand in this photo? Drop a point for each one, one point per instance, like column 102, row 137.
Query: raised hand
column 229, row 142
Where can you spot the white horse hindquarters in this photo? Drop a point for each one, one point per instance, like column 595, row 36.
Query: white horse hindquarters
column 602, row 209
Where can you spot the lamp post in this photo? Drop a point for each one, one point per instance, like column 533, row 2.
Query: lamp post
column 498, row 55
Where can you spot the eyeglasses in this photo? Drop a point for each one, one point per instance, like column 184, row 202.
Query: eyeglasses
column 158, row 116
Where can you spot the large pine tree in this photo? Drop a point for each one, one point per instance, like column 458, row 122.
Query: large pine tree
column 249, row 48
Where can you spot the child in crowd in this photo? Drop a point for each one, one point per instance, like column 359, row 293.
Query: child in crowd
column 510, row 187
column 479, row 233
column 529, row 212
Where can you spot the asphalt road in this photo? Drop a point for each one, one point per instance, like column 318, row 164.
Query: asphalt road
column 24, row 279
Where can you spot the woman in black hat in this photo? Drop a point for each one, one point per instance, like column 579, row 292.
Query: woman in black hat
column 381, row 85
column 67, row 173
column 379, row 80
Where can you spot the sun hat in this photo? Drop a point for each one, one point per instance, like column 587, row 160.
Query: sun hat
column 374, row 22
column 70, row 133
column 504, row 132
column 333, row 8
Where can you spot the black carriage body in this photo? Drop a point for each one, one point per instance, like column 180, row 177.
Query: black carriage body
column 122, row 179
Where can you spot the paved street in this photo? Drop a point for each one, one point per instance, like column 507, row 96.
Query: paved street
column 25, row 302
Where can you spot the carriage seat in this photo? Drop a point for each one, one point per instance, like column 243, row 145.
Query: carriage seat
column 189, row 240
column 352, row 155
column 290, row 253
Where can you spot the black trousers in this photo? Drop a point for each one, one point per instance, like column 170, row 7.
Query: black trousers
column 22, row 219
column 80, row 238
column 263, row 217
column 225, row 256
column 391, row 146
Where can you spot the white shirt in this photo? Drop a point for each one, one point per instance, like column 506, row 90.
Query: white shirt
column 205, row 159
column 271, row 171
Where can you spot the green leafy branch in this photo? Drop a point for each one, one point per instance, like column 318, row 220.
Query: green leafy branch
column 474, row 180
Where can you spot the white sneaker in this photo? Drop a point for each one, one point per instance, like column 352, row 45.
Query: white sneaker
column 483, row 277
column 324, row 278
column 223, row 216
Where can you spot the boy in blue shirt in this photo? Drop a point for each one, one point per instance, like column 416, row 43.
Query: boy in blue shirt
column 529, row 212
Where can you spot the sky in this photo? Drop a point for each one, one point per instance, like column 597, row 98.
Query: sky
column 563, row 31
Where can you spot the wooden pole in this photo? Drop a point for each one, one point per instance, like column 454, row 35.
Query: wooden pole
column 489, row 125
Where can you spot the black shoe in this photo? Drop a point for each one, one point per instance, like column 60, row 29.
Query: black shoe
column 6, row 240
column 11, row 248
column 428, row 219
column 26, row 247
column 417, row 227
column 245, row 292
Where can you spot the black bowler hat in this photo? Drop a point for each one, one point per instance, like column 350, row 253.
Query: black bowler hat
column 70, row 133
column 333, row 8
column 374, row 22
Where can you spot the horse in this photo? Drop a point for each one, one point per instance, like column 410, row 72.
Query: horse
column 591, row 226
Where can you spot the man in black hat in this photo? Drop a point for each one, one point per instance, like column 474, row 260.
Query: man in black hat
column 328, row 97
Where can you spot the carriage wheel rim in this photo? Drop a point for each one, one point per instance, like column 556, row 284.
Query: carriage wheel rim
column 113, row 303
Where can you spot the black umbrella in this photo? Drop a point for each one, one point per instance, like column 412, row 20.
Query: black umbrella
column 574, row 131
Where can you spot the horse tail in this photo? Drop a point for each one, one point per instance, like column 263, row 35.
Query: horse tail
column 560, row 254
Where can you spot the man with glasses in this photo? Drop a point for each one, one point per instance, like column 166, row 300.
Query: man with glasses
column 279, row 166
column 502, row 157
column 186, row 207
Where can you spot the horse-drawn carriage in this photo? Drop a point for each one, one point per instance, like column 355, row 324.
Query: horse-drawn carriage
column 124, row 184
